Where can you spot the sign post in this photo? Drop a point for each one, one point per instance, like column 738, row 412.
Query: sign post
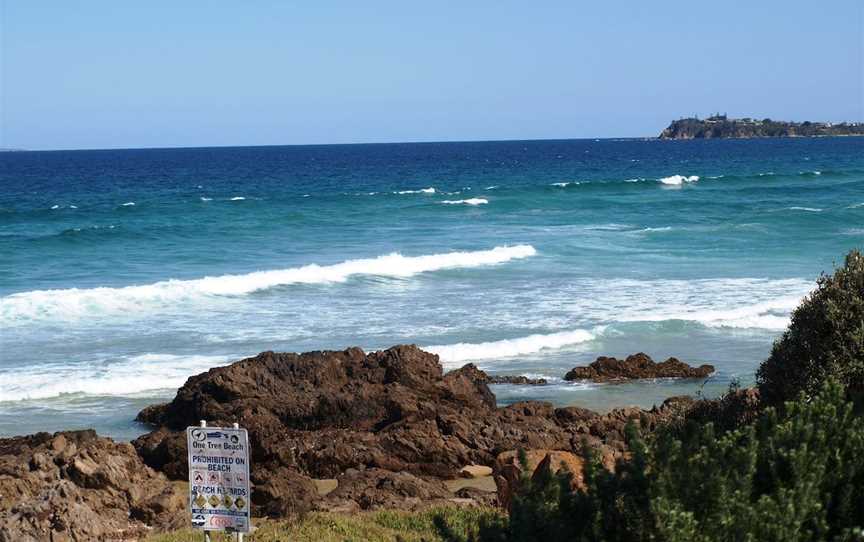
column 219, row 479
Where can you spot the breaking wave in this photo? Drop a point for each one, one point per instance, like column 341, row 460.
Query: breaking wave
column 808, row 209
column 74, row 303
column 128, row 376
column 678, row 180
column 469, row 201
column 453, row 354
column 430, row 190
column 770, row 315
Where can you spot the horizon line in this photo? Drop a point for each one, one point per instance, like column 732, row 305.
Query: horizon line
column 13, row 150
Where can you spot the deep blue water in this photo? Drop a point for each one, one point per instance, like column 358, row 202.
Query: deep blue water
column 122, row 272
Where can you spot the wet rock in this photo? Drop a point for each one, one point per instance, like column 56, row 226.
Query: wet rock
column 637, row 366
column 516, row 379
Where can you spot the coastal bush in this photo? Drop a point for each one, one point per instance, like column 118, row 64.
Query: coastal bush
column 795, row 474
column 825, row 339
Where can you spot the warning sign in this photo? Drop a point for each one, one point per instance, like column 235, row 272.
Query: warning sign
column 219, row 478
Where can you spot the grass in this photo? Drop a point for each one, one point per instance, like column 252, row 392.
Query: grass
column 446, row 524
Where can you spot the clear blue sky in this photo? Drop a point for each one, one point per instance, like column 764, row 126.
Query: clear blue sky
column 99, row 74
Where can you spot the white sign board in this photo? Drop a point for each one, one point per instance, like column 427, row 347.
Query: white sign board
column 219, row 478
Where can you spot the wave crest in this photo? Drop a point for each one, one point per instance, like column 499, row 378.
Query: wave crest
column 430, row 190
column 678, row 180
column 454, row 354
column 469, row 201
column 73, row 303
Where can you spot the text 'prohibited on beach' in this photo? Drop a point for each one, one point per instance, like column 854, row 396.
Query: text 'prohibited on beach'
column 219, row 478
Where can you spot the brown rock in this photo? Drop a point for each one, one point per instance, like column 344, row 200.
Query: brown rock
column 327, row 414
column 509, row 469
column 78, row 486
column 475, row 471
column 478, row 497
column 372, row 489
column 637, row 366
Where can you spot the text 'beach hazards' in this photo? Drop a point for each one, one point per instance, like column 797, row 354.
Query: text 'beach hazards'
column 219, row 478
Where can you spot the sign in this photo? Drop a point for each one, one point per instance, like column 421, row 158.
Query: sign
column 219, row 478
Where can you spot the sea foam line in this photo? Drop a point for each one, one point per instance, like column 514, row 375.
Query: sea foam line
column 454, row 354
column 74, row 302
column 770, row 315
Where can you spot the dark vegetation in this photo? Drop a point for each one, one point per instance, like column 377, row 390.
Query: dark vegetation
column 788, row 467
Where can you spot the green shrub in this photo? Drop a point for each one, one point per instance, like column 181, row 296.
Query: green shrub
column 825, row 339
column 796, row 474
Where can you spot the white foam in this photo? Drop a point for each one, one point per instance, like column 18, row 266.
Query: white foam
column 651, row 230
column 469, row 201
column 613, row 226
column 123, row 377
column 430, row 190
column 237, row 198
column 454, row 354
column 770, row 315
column 75, row 303
column 561, row 185
column 493, row 187
column 128, row 204
column 678, row 180
column 808, row 209
column 53, row 207
column 206, row 199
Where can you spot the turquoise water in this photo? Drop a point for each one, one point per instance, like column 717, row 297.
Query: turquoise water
column 124, row 272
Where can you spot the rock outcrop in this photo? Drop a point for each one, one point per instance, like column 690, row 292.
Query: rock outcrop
column 516, row 379
column 637, row 366
column 75, row 485
column 390, row 426
column 509, row 470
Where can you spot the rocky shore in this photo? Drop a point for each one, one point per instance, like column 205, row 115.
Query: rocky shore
column 332, row 430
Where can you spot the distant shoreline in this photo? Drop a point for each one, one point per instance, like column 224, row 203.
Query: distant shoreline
column 723, row 127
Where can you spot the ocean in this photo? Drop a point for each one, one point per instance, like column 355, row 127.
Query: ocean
column 123, row 272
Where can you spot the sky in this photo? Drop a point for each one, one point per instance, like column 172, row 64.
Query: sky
column 109, row 74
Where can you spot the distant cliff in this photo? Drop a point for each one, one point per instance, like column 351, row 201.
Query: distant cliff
column 720, row 126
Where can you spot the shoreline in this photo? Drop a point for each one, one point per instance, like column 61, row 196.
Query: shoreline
column 384, row 430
